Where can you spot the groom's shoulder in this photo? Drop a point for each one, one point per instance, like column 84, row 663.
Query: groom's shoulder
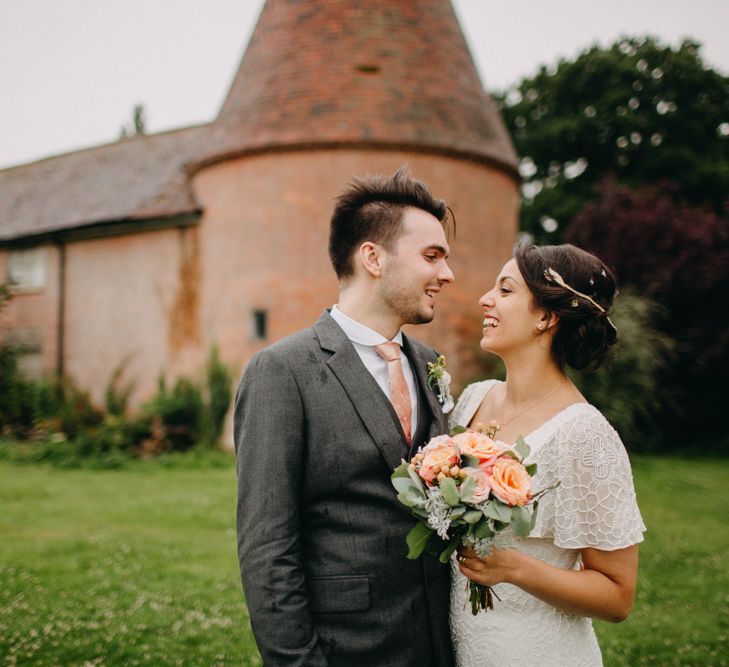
column 302, row 347
column 284, row 358
column 292, row 346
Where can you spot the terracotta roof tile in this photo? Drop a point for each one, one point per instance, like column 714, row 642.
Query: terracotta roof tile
column 381, row 71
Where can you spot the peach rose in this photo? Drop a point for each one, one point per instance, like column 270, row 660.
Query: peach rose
column 482, row 484
column 436, row 442
column 477, row 445
column 435, row 456
column 510, row 481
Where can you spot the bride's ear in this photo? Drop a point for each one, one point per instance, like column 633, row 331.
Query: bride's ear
column 547, row 322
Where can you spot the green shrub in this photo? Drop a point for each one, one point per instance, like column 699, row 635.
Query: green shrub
column 16, row 408
column 176, row 416
column 32, row 408
column 60, row 423
column 116, row 398
column 219, row 393
column 77, row 414
column 628, row 389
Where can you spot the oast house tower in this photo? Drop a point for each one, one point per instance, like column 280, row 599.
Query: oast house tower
column 147, row 251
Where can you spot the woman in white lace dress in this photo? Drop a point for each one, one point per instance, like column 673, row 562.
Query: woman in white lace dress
column 549, row 309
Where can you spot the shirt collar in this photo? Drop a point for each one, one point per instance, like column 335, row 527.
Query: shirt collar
column 359, row 333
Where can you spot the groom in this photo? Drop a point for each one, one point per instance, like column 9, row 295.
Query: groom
column 321, row 420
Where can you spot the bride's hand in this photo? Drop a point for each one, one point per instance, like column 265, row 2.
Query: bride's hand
column 500, row 566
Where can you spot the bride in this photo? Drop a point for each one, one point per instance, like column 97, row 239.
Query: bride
column 547, row 310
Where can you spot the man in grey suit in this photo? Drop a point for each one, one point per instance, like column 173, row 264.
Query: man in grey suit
column 321, row 420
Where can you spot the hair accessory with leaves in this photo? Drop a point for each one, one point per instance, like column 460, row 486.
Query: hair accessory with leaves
column 551, row 276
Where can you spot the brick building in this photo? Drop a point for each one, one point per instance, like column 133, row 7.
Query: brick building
column 149, row 250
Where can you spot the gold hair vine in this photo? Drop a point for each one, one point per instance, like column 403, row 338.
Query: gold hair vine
column 551, row 276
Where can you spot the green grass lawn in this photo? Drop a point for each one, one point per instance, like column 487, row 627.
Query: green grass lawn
column 138, row 566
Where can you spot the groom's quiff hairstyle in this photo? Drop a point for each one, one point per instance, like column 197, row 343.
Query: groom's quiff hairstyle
column 371, row 209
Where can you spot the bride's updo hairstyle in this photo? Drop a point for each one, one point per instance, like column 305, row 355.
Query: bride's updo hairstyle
column 576, row 286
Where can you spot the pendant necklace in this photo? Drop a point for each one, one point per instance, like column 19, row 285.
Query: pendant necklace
column 495, row 426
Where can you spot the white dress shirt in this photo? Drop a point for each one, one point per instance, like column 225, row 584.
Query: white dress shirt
column 364, row 340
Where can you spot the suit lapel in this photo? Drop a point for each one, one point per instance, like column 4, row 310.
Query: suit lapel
column 362, row 390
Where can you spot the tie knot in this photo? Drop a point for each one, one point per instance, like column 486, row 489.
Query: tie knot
column 389, row 351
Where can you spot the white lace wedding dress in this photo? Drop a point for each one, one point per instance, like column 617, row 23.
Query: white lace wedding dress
column 594, row 506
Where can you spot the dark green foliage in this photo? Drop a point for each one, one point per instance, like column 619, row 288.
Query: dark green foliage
column 219, row 394
column 32, row 408
column 61, row 425
column 640, row 111
column 116, row 397
column 176, row 415
column 76, row 412
column 14, row 406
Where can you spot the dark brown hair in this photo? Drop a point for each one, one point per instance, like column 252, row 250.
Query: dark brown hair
column 584, row 333
column 371, row 209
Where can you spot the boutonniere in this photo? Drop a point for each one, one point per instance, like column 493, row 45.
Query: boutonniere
column 439, row 380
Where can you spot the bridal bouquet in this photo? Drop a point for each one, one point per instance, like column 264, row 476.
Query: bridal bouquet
column 465, row 488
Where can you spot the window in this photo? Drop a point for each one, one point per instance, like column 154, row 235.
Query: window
column 27, row 269
column 260, row 324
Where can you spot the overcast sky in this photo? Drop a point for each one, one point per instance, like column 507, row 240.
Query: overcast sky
column 71, row 70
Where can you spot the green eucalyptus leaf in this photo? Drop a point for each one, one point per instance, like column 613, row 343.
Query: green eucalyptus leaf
column 533, row 520
column 467, row 488
column 473, row 516
column 450, row 491
column 483, row 530
column 418, row 538
column 417, row 481
column 531, row 469
column 522, row 448
column 458, row 429
column 520, row 521
column 458, row 511
column 496, row 510
column 448, row 551
column 401, row 471
column 403, row 484
column 410, row 499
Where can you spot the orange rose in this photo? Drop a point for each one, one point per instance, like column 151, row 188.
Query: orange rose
column 477, row 445
column 435, row 457
column 510, row 482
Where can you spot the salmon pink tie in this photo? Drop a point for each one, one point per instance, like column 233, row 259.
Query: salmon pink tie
column 399, row 393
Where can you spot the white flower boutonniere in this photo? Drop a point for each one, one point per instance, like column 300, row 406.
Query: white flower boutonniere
column 440, row 380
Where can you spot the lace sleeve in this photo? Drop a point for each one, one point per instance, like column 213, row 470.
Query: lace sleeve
column 595, row 504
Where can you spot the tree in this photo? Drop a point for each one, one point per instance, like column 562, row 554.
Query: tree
column 677, row 254
column 638, row 110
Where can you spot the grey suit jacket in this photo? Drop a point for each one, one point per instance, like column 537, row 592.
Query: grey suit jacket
column 321, row 535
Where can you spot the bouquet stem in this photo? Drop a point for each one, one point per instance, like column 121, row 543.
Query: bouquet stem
column 481, row 597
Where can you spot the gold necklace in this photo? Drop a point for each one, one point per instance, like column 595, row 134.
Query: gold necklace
column 495, row 426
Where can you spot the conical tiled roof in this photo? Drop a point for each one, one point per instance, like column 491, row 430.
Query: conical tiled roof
column 380, row 72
